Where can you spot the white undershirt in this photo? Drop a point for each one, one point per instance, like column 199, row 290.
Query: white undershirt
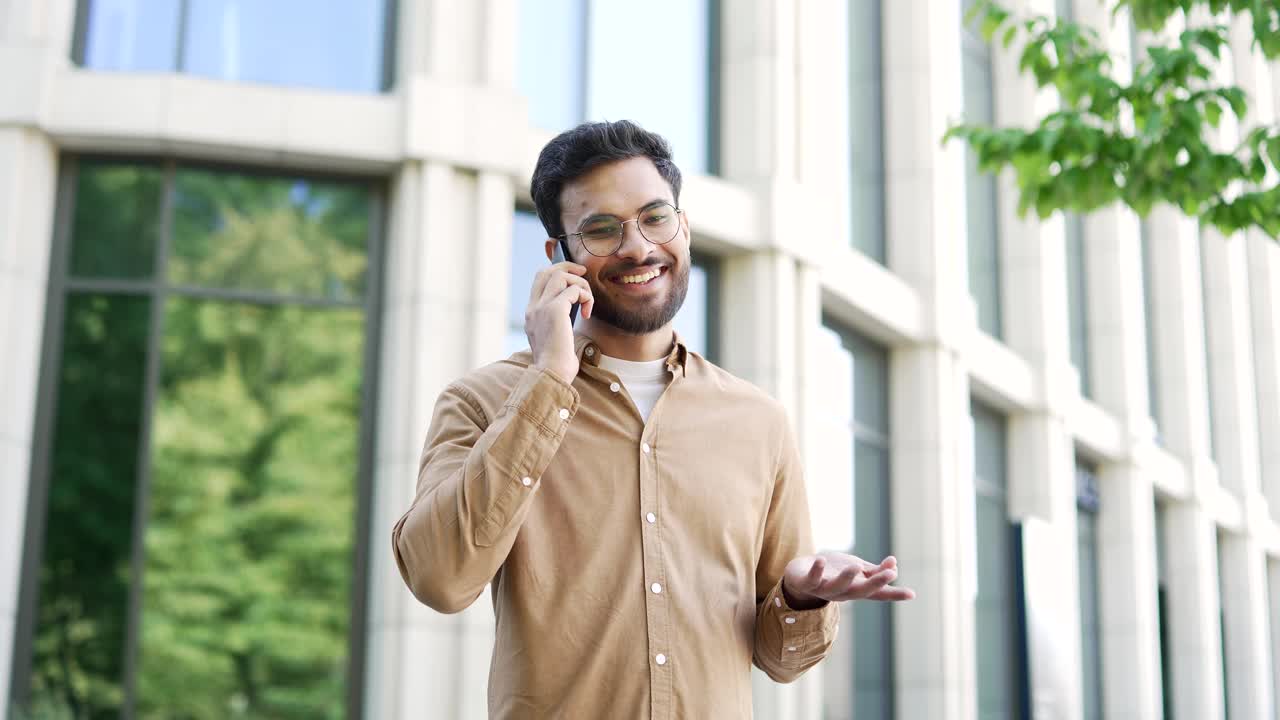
column 644, row 380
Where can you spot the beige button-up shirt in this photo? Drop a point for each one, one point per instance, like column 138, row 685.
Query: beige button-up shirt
column 636, row 567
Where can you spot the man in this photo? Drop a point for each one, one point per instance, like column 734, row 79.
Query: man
column 639, row 512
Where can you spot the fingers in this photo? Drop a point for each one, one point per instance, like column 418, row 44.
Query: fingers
column 576, row 294
column 874, row 585
column 856, row 579
column 542, row 279
column 556, row 286
column 814, row 578
column 893, row 594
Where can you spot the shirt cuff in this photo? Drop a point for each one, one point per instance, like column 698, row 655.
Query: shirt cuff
column 806, row 634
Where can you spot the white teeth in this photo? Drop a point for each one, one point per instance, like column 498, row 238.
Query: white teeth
column 646, row 277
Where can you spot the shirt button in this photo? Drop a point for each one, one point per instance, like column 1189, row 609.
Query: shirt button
column 615, row 387
column 660, row 659
column 564, row 414
column 777, row 602
column 591, row 351
column 789, row 620
column 656, row 588
column 651, row 518
column 791, row 648
column 645, row 447
column 527, row 482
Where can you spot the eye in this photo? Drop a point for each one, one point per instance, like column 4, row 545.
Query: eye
column 598, row 231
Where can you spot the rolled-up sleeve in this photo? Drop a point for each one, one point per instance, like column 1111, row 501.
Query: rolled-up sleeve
column 788, row 642
column 476, row 480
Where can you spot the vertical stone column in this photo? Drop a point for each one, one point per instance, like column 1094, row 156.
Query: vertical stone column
column 1261, row 80
column 932, row 444
column 1194, row 623
column 1128, row 606
column 1041, row 456
column 35, row 40
column 1247, row 638
column 1233, row 402
column 28, row 183
column 418, row 658
column 1243, row 580
column 1129, row 614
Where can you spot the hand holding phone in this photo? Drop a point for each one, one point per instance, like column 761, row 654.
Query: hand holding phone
column 548, row 321
column 557, row 256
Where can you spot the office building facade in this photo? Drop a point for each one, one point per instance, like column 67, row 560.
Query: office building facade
column 243, row 245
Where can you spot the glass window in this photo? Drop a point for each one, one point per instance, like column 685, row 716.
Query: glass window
column 551, row 71
column 1162, row 607
column 1087, row 556
column 1001, row 667
column 1078, row 302
column 339, row 47
column 1273, row 596
column 229, row 413
column 865, row 656
column 668, row 93
column 77, row 664
column 695, row 323
column 528, row 256
column 317, row 231
column 115, row 221
column 1206, row 316
column 578, row 61
column 1222, row 629
column 980, row 187
column 1149, row 315
column 866, row 129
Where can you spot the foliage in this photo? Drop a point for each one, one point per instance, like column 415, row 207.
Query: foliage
column 248, row 543
column 1143, row 141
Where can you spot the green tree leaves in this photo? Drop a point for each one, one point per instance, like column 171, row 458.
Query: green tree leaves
column 1143, row 140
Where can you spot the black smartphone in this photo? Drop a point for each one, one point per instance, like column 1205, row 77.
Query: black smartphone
column 558, row 255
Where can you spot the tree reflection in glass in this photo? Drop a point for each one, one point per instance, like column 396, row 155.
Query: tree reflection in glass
column 248, row 543
column 249, row 540
column 77, row 666
column 280, row 235
column 116, row 221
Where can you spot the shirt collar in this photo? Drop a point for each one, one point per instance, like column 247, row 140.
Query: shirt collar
column 589, row 353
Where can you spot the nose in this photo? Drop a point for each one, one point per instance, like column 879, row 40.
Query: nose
column 634, row 247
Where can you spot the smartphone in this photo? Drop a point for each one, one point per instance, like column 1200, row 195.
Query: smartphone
column 558, row 256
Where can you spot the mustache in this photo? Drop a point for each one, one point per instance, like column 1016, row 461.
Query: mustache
column 631, row 269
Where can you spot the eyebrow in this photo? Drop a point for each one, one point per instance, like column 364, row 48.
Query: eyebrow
column 601, row 216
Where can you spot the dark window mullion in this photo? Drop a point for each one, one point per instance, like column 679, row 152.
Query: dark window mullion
column 142, row 488
column 357, row 644
column 869, row 436
column 143, row 287
column 714, row 63
column 42, row 440
column 180, row 43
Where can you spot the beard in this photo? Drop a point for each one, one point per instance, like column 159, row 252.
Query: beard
column 648, row 316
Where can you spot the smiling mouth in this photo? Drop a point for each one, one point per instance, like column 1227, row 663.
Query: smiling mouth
column 640, row 278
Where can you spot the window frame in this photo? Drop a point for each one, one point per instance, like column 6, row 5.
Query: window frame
column 1088, row 504
column 387, row 61
column 972, row 46
column 157, row 290
column 859, row 345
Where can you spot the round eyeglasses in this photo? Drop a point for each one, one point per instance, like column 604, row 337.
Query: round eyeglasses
column 602, row 236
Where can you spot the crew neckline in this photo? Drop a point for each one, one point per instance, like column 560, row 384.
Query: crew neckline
column 642, row 370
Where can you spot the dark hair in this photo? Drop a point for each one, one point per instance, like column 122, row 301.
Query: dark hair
column 573, row 153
